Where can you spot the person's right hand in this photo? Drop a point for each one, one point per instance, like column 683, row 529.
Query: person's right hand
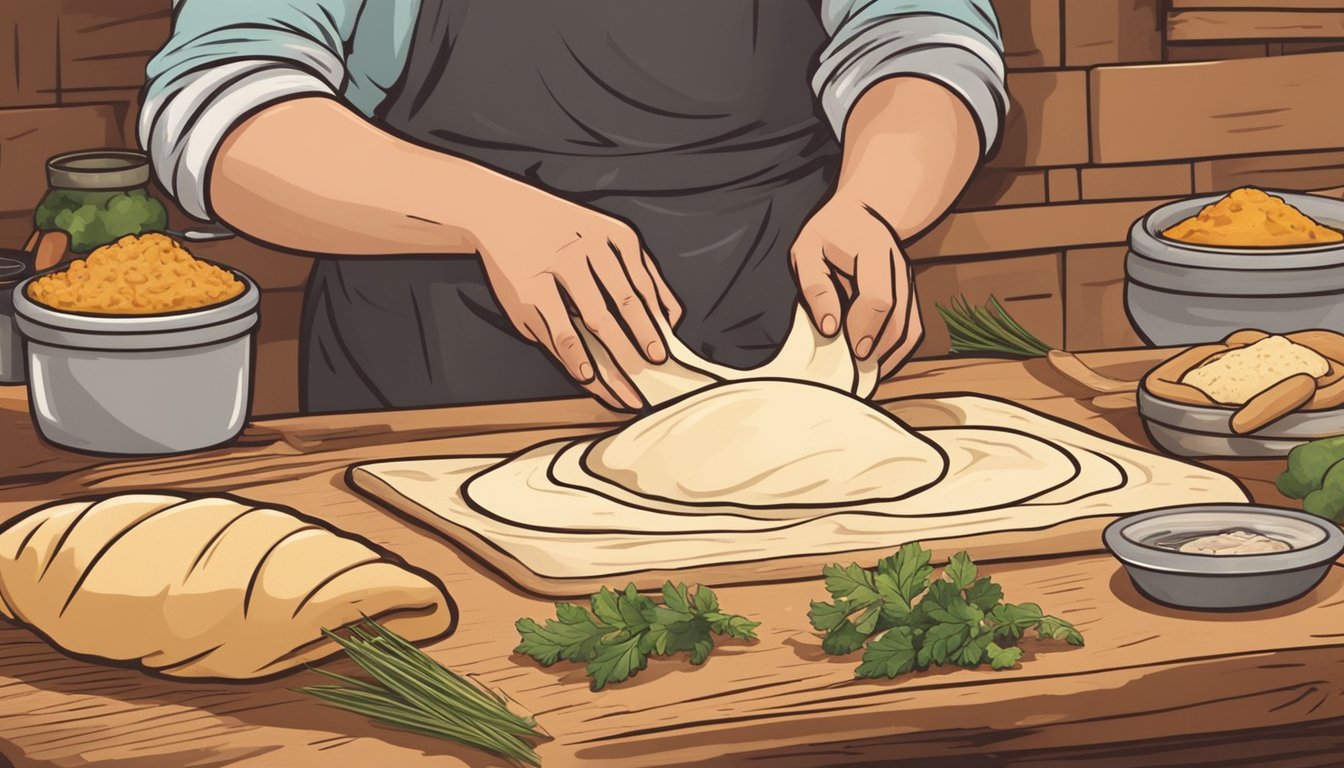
column 545, row 256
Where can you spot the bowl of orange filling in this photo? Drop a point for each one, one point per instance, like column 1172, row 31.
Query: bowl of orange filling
column 1200, row 269
column 139, row 348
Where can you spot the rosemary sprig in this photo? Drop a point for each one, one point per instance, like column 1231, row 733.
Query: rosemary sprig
column 988, row 329
column 411, row 691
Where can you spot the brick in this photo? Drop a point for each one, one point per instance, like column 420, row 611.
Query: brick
column 1180, row 111
column 125, row 100
column 15, row 228
column 1111, row 32
column 1047, row 121
column 1306, row 171
column 27, row 53
column 1027, row 286
column 1255, row 25
column 1033, row 228
column 1180, row 5
column 1181, row 52
column 1290, row 48
column 1094, row 301
column 106, row 45
column 29, row 136
column 991, row 188
column 1031, row 34
column 1130, row 182
column 1062, row 185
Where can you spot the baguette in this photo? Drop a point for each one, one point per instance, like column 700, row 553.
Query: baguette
column 1274, row 403
column 203, row 587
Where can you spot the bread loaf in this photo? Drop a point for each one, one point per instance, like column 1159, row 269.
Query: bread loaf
column 209, row 587
column 1233, row 378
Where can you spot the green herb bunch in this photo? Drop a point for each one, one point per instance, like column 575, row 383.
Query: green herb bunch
column 904, row 621
column 979, row 330
column 411, row 691
column 1315, row 474
column 620, row 630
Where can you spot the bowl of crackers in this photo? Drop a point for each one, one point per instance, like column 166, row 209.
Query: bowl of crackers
column 138, row 348
column 1252, row 394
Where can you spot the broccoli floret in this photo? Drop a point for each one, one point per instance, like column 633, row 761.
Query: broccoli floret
column 93, row 219
column 1308, row 465
column 1328, row 500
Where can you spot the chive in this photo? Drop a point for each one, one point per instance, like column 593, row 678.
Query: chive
column 412, row 692
column 988, row 329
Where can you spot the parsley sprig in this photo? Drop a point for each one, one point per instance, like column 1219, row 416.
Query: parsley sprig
column 620, row 630
column 904, row 621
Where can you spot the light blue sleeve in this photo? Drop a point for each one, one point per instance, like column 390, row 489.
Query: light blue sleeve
column 226, row 59
column 955, row 42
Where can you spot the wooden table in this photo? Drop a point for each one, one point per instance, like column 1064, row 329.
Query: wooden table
column 1192, row 689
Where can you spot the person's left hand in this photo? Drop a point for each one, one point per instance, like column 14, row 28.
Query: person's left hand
column 846, row 246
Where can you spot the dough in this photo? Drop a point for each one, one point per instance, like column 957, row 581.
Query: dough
column 805, row 355
column 1237, row 376
column 540, row 518
column 763, row 443
column 546, row 489
column 203, row 587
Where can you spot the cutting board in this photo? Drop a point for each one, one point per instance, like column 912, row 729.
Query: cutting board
column 558, row 561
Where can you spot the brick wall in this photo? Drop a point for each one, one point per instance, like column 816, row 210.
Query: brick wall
column 1117, row 107
column 72, row 81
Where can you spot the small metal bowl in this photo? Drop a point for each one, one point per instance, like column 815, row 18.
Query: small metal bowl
column 1224, row 582
column 1205, row 431
column 140, row 384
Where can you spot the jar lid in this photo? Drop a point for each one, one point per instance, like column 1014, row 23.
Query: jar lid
column 99, row 169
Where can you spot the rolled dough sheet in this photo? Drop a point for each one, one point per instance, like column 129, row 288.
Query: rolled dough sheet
column 562, row 539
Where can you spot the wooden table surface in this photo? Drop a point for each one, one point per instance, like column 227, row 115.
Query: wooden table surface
column 1258, row 688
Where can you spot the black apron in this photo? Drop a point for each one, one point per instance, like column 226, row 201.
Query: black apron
column 693, row 121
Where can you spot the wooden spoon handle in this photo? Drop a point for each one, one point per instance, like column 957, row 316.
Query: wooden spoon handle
column 1070, row 367
column 52, row 248
column 1274, row 403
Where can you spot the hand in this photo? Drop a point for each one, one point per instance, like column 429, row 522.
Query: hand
column 846, row 246
column 546, row 256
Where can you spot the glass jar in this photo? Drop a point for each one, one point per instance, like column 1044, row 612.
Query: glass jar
column 99, row 196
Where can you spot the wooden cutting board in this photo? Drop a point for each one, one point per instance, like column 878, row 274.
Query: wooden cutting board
column 559, row 561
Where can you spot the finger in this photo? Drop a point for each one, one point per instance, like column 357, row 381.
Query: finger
column 592, row 308
column 914, row 334
column 671, row 305
column 874, row 299
column 640, row 270
column 598, row 389
column 557, row 334
column 905, row 313
column 595, row 387
column 609, row 374
column 817, row 287
column 610, row 274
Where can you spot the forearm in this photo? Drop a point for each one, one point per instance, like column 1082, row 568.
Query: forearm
column 910, row 146
column 311, row 175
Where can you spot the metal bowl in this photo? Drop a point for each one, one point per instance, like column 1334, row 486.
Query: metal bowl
column 1206, row 431
column 140, row 384
column 1181, row 294
column 1224, row 582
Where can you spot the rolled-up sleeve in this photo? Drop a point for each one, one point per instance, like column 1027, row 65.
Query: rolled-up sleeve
column 225, row 60
column 954, row 42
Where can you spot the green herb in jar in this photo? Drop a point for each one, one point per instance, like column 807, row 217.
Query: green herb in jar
column 98, row 197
